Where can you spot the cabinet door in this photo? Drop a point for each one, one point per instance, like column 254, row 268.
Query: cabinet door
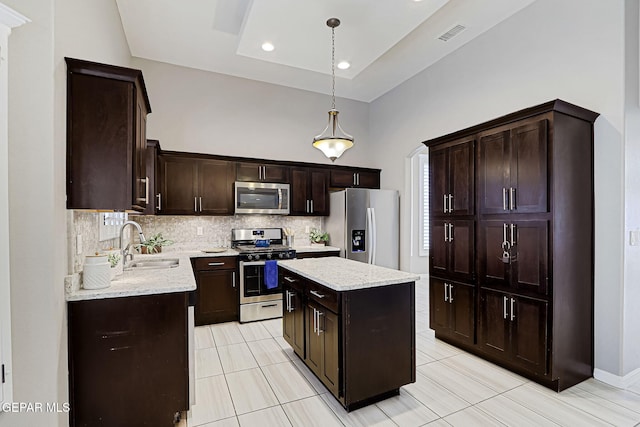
column 152, row 173
column 452, row 248
column 493, row 328
column 439, row 306
column 529, row 333
column 369, row 179
column 329, row 334
column 319, row 191
column 293, row 320
column 461, row 178
column 438, row 180
column 528, row 171
column 313, row 353
column 178, row 180
column 299, row 191
column 215, row 187
column 493, row 172
column 529, row 269
column 216, row 297
column 140, row 184
column 275, row 173
column 494, row 272
column 248, row 172
column 341, row 178
column 462, row 303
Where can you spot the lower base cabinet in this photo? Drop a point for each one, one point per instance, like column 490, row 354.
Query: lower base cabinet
column 128, row 361
column 452, row 310
column 359, row 343
column 514, row 328
column 217, row 297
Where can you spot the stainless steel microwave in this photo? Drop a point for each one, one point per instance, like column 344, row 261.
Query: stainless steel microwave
column 261, row 198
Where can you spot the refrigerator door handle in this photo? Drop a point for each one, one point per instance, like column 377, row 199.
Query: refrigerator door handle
column 374, row 242
column 370, row 237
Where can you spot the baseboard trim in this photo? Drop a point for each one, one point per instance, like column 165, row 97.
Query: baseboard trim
column 616, row 380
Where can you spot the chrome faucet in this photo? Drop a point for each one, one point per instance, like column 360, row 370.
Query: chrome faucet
column 125, row 251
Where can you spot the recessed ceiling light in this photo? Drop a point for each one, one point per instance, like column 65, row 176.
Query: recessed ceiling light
column 343, row 65
column 267, row 47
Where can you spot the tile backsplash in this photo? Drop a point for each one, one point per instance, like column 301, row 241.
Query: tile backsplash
column 183, row 230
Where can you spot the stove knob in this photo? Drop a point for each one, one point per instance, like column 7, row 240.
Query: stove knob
column 249, row 257
column 256, row 257
column 281, row 255
column 268, row 256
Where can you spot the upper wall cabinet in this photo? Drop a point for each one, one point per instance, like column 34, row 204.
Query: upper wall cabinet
column 355, row 178
column 107, row 109
column 261, row 172
column 194, row 185
column 452, row 178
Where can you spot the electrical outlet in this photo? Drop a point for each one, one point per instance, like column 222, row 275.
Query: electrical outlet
column 307, row 229
column 199, row 231
column 79, row 244
column 634, row 238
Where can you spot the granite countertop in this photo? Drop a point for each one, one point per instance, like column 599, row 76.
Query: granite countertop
column 343, row 274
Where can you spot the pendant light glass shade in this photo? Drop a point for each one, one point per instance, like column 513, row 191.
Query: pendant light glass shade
column 333, row 141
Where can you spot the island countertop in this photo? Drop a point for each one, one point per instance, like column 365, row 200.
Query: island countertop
column 341, row 274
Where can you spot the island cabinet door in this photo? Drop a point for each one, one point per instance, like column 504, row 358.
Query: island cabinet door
column 313, row 356
column 328, row 324
column 293, row 319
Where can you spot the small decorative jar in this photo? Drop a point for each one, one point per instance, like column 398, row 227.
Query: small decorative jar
column 96, row 272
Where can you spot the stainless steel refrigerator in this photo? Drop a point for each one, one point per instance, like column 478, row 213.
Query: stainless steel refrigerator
column 365, row 225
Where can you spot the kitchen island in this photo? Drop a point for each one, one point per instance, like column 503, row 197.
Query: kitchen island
column 353, row 325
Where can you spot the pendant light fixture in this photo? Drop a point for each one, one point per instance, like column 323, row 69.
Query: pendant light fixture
column 333, row 141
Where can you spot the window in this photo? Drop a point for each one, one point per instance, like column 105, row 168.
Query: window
column 424, row 204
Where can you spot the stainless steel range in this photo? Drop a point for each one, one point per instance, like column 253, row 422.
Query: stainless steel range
column 255, row 247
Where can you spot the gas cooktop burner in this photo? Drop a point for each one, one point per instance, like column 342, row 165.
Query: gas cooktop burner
column 247, row 249
column 270, row 244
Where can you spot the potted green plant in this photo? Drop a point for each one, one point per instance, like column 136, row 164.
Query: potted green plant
column 317, row 237
column 153, row 244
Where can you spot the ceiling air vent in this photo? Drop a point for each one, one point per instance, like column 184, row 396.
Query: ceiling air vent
column 452, row 33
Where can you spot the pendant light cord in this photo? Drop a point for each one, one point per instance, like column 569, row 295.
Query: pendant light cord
column 333, row 68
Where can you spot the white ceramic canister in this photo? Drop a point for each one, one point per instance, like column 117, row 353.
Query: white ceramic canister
column 97, row 272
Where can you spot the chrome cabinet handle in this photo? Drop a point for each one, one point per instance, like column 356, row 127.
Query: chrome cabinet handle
column 504, row 233
column 450, row 293
column 316, row 294
column 354, row 179
column 215, row 264
column 233, row 278
column 315, row 324
column 146, row 190
column 288, row 300
column 200, row 198
column 512, row 198
column 357, row 178
column 195, row 204
column 444, row 203
column 513, row 312
column 446, row 233
column 311, row 211
column 504, row 306
column 504, row 199
column 159, row 197
column 446, row 297
column 289, row 279
column 513, row 232
column 307, row 208
column 450, row 232
column 450, row 203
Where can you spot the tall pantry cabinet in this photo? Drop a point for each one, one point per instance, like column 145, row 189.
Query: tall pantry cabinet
column 511, row 250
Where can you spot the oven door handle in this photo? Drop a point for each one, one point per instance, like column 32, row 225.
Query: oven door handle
column 244, row 263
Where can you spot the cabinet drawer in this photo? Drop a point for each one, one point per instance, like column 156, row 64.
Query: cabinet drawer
column 323, row 296
column 293, row 280
column 216, row 263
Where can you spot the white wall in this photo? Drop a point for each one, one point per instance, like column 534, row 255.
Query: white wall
column 203, row 112
column 37, row 96
column 572, row 50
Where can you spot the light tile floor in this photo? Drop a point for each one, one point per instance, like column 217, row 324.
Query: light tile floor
column 247, row 375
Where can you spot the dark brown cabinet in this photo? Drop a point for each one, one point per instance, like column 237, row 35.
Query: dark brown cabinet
column 534, row 250
column 512, row 174
column 355, row 178
column 217, row 298
column 514, row 328
column 262, row 172
column 191, row 185
column 309, row 191
column 452, row 178
column 513, row 255
column 153, row 148
column 452, row 248
column 452, row 310
column 122, row 352
column 293, row 313
column 107, row 109
column 343, row 329
column 316, row 254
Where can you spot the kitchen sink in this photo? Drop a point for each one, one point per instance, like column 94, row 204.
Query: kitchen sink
column 148, row 264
